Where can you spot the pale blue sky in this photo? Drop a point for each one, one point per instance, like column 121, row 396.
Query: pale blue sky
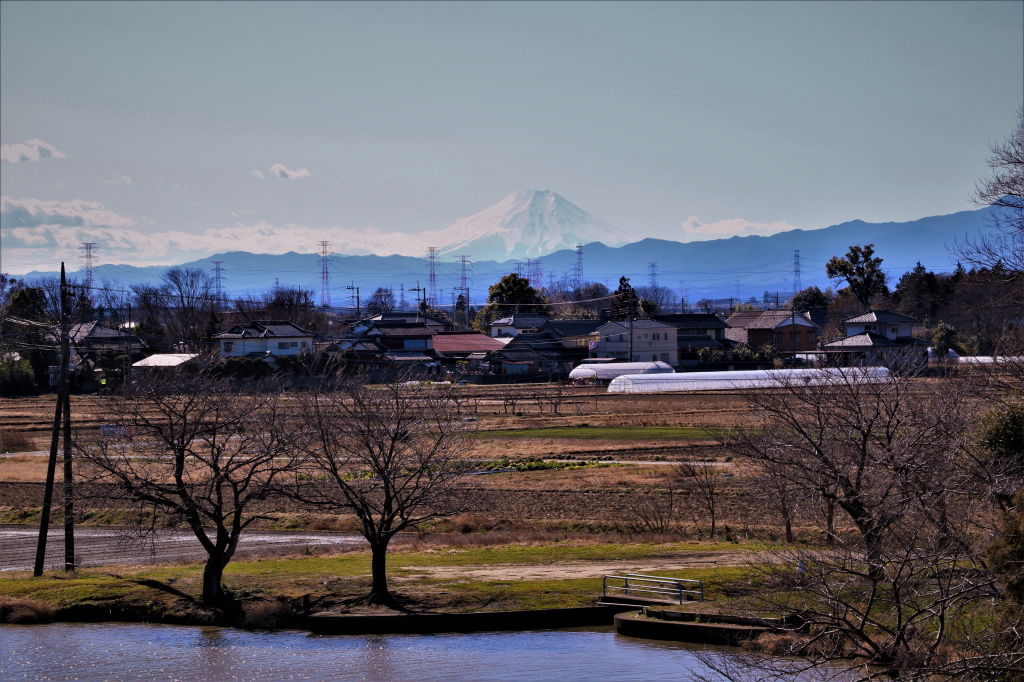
column 407, row 117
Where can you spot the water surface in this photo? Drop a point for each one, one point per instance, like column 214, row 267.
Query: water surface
column 123, row 652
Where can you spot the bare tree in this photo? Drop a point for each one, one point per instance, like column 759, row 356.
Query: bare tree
column 706, row 479
column 381, row 301
column 654, row 510
column 1003, row 190
column 390, row 454
column 187, row 295
column 201, row 453
column 847, row 437
column 909, row 596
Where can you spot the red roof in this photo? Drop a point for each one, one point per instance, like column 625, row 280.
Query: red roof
column 465, row 342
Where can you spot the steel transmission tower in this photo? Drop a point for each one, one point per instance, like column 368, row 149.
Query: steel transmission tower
column 325, row 274
column 218, row 281
column 87, row 257
column 432, row 281
column 401, row 300
column 652, row 273
column 464, row 290
column 797, row 285
column 578, row 274
column 536, row 274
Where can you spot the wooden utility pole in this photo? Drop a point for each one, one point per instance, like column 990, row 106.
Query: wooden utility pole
column 62, row 386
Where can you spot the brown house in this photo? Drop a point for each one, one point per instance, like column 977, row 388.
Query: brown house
column 788, row 330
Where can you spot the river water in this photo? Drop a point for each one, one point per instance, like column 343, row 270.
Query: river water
column 127, row 652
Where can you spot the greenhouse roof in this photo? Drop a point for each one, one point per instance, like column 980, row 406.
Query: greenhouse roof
column 744, row 380
column 617, row 369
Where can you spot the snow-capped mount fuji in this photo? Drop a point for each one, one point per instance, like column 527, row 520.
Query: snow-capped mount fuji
column 527, row 224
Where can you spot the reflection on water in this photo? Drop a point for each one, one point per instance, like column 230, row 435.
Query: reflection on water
column 122, row 652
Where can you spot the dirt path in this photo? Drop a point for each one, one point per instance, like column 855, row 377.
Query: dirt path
column 567, row 570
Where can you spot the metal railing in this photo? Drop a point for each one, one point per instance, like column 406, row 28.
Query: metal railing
column 652, row 586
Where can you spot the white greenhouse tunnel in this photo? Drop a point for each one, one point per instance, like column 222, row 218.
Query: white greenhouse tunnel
column 607, row 372
column 767, row 378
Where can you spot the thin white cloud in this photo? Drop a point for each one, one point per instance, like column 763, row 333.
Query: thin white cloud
column 257, row 174
column 120, row 180
column 31, row 150
column 281, row 171
column 695, row 231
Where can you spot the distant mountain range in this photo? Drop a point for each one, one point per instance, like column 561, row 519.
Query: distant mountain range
column 536, row 223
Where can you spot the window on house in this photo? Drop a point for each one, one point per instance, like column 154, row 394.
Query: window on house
column 294, row 344
column 654, row 357
column 282, row 345
column 645, row 336
column 794, row 336
column 895, row 330
column 812, row 336
column 228, row 346
column 622, row 337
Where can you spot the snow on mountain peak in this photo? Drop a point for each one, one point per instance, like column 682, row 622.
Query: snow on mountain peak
column 527, row 224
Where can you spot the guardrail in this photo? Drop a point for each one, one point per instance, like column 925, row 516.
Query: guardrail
column 638, row 585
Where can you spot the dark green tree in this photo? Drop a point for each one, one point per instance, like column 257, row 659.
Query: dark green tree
column 812, row 297
column 625, row 300
column 861, row 271
column 511, row 294
column 920, row 293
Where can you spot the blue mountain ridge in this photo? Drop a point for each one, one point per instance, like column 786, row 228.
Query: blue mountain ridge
column 738, row 266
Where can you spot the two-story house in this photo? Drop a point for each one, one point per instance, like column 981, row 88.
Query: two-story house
column 265, row 338
column 652, row 341
column 882, row 322
column 878, row 336
column 788, row 330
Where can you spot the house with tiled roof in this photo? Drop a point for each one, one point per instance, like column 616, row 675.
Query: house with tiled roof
column 516, row 324
column 652, row 341
column 461, row 344
column 789, row 331
column 878, row 336
column 265, row 339
column 882, row 322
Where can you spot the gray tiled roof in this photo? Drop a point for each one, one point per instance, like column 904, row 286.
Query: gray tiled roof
column 693, row 321
column 570, row 327
column 770, row 319
column 881, row 316
column 695, row 342
column 399, row 329
column 521, row 321
column 638, row 324
column 264, row 328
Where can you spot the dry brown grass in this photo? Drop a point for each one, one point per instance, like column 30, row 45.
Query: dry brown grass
column 14, row 441
column 267, row 615
column 25, row 612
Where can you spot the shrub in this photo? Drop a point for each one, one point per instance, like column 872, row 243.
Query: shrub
column 16, row 378
column 14, row 441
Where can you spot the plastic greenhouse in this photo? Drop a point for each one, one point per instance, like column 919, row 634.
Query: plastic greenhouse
column 608, row 372
column 768, row 378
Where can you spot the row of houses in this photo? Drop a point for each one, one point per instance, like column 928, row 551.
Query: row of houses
column 523, row 344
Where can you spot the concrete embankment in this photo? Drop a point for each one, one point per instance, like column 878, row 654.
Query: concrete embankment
column 697, row 628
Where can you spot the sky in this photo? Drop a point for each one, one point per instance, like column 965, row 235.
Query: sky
column 165, row 132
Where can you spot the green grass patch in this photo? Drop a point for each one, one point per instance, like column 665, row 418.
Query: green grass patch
column 606, row 433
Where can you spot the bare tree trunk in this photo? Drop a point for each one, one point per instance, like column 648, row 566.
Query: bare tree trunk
column 379, row 593
column 213, row 575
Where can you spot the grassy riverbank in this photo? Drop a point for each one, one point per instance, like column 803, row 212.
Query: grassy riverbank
column 433, row 580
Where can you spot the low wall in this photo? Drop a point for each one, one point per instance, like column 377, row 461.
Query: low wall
column 485, row 621
column 634, row 624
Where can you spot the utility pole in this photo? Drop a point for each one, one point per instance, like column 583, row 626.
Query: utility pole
column 51, row 466
column 353, row 287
